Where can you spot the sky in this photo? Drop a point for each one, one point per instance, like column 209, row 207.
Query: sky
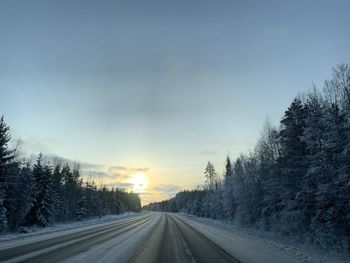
column 144, row 93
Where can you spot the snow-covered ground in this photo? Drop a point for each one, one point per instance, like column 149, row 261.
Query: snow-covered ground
column 58, row 227
column 251, row 246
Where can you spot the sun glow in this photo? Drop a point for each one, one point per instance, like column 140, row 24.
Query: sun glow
column 139, row 182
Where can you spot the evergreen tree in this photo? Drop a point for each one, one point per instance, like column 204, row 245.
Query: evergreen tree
column 20, row 194
column 6, row 155
column 42, row 212
column 57, row 186
column 3, row 218
column 240, row 192
column 268, row 151
column 228, row 168
column 228, row 201
column 92, row 199
column 72, row 190
column 210, row 175
column 45, row 212
column 299, row 212
column 292, row 161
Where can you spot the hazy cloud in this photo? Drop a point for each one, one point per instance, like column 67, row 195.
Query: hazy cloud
column 120, row 185
column 118, row 169
column 166, row 188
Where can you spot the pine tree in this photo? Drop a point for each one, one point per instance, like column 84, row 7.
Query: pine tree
column 42, row 212
column 228, row 201
column 92, row 199
column 332, row 215
column 6, row 155
column 228, row 168
column 210, row 175
column 80, row 212
column 299, row 212
column 292, row 161
column 72, row 189
column 3, row 218
column 20, row 192
column 240, row 192
column 57, row 187
column 268, row 151
column 45, row 198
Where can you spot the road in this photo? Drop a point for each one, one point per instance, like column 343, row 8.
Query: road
column 151, row 237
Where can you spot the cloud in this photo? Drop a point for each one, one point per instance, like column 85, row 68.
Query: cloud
column 96, row 174
column 123, row 173
column 118, row 174
column 118, row 169
column 166, row 188
column 87, row 166
column 122, row 185
column 31, row 144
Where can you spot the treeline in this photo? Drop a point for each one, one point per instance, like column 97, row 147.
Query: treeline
column 297, row 179
column 42, row 194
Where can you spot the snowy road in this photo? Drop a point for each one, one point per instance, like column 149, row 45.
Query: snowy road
column 176, row 241
column 151, row 237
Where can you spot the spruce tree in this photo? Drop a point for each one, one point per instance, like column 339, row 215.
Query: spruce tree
column 57, row 187
column 210, row 175
column 292, row 161
column 42, row 212
column 6, row 155
column 20, row 195
column 300, row 211
column 228, row 201
column 45, row 198
column 3, row 218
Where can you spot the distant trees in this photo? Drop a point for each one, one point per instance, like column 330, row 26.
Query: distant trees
column 43, row 194
column 297, row 180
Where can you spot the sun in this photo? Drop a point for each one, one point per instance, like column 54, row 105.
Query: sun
column 139, row 182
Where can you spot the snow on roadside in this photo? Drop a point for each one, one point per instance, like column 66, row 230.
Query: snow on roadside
column 35, row 231
column 252, row 247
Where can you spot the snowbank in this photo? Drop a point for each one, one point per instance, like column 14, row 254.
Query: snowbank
column 251, row 246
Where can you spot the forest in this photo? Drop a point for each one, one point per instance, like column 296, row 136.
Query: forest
column 42, row 193
column 296, row 181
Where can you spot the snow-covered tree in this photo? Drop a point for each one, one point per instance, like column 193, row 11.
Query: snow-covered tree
column 300, row 210
column 6, row 155
column 3, row 218
column 228, row 200
column 210, row 175
column 57, row 186
column 42, row 212
column 20, row 194
column 293, row 148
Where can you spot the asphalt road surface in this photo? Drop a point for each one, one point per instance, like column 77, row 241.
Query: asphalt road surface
column 152, row 237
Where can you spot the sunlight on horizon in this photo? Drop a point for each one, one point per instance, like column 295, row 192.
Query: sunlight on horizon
column 139, row 182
